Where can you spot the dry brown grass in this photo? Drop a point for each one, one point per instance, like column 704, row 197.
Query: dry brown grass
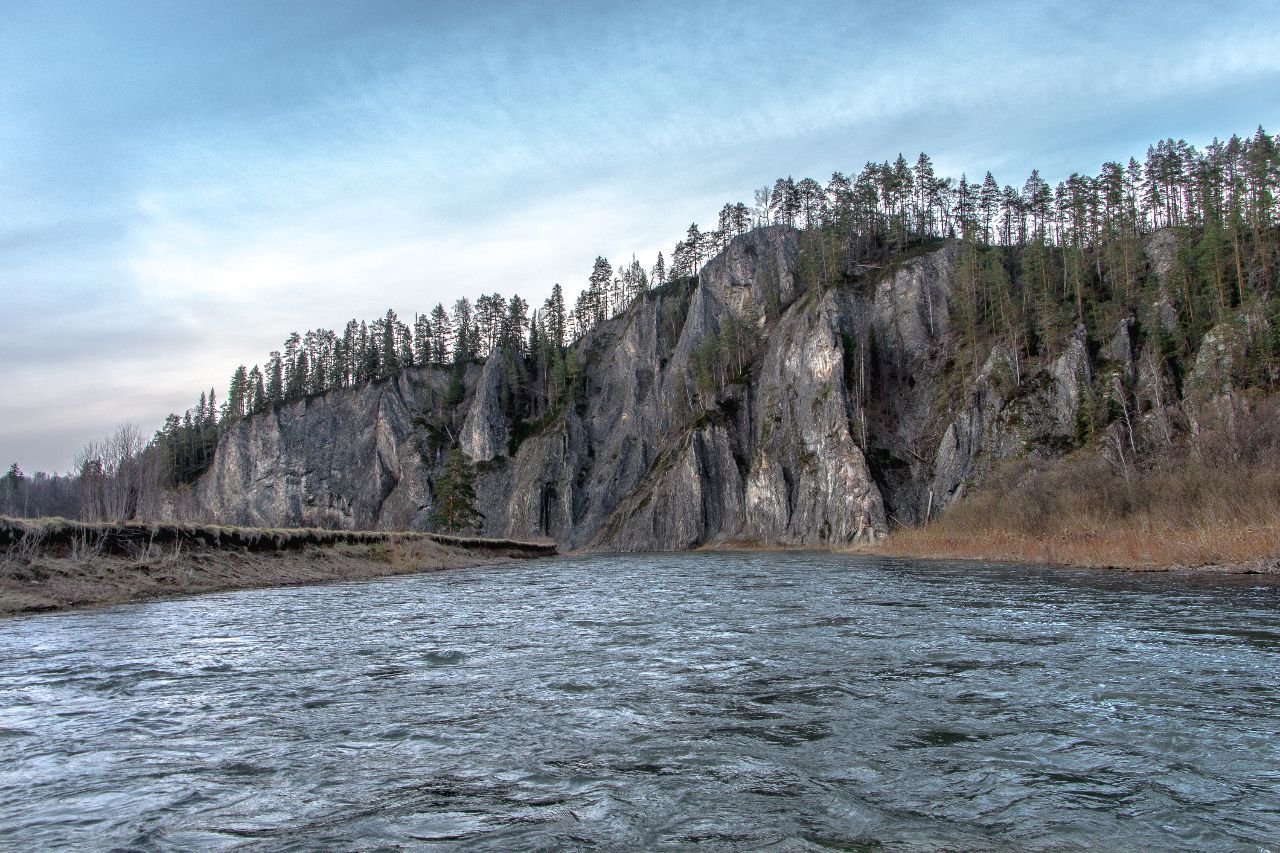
column 50, row 564
column 1214, row 500
column 1247, row 548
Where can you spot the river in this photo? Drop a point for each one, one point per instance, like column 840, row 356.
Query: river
column 736, row 701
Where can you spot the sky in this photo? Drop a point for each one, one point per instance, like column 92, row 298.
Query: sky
column 182, row 184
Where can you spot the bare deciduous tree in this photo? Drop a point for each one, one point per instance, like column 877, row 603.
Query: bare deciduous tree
column 111, row 475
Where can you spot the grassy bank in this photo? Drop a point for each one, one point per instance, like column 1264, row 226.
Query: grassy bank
column 49, row 564
column 1209, row 506
column 1239, row 549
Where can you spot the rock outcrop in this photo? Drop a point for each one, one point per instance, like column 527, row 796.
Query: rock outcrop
column 484, row 432
column 349, row 459
column 848, row 415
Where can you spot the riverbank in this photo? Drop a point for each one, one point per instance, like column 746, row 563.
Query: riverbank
column 53, row 564
column 1209, row 505
column 1240, row 549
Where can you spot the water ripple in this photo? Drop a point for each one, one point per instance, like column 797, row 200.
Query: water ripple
column 791, row 701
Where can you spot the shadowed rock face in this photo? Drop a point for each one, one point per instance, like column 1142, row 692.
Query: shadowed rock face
column 347, row 459
column 788, row 453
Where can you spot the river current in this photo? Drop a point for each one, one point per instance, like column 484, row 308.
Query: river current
column 785, row 701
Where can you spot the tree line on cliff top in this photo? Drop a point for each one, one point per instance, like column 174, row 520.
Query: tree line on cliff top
column 1036, row 260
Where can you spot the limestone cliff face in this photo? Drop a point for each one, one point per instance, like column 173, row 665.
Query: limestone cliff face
column 352, row 458
column 484, row 431
column 809, row 481
column 844, row 418
column 1006, row 415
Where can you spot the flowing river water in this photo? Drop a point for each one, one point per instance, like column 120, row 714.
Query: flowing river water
column 734, row 701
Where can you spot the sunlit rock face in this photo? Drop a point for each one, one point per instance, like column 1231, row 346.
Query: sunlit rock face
column 484, row 431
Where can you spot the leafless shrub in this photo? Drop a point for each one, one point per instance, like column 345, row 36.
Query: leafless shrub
column 22, row 551
column 87, row 545
column 111, row 475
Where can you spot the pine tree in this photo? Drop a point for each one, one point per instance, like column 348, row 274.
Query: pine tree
column 598, row 289
column 237, row 394
column 680, row 261
column 367, row 350
column 695, row 246
column 637, row 280
column 785, row 201
column 257, row 393
column 302, row 375
column 901, row 183
column 840, row 202
column 725, row 223
column 464, row 332
column 454, row 494
column 292, row 387
column 421, row 340
column 925, row 185
column 810, row 201
column 350, row 348
column 275, row 380
column 13, row 492
column 554, row 310
column 514, row 327
column 1012, row 217
column 442, row 335
column 404, row 337
column 389, row 352
column 989, row 205
column 966, row 208
column 1038, row 199
column 490, row 312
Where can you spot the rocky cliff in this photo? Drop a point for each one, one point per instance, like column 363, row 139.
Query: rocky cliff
column 845, row 417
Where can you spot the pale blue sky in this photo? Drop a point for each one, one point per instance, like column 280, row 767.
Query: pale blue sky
column 182, row 184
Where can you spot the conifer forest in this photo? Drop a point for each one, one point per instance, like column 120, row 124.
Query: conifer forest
column 1036, row 261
